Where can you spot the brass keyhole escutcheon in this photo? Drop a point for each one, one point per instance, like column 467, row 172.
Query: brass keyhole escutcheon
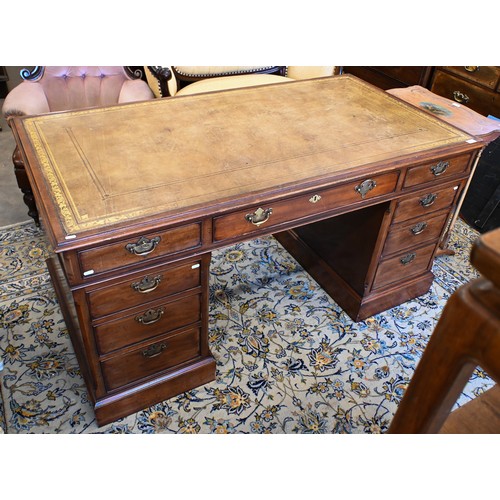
column 315, row 198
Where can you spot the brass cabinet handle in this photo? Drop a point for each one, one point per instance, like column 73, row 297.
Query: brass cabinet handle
column 147, row 284
column 154, row 350
column 428, row 200
column 460, row 97
column 150, row 316
column 259, row 216
column 440, row 168
column 418, row 228
column 144, row 246
column 408, row 258
column 364, row 187
column 471, row 69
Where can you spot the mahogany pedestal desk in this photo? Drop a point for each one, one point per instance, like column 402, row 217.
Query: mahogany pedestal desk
column 355, row 183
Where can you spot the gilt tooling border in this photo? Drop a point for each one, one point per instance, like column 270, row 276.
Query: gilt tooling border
column 317, row 157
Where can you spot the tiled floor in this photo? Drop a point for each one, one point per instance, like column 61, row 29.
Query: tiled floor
column 12, row 207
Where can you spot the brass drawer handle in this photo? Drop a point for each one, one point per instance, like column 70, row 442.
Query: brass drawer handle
column 144, row 246
column 408, row 258
column 259, row 216
column 418, row 228
column 471, row 69
column 366, row 186
column 460, row 97
column 150, row 316
column 440, row 168
column 428, row 200
column 147, row 284
column 154, row 350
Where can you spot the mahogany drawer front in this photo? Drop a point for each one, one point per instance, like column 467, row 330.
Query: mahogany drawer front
column 237, row 224
column 147, row 323
column 403, row 266
column 484, row 75
column 149, row 359
column 388, row 77
column 143, row 287
column 480, row 99
column 436, row 171
column 411, row 75
column 424, row 203
column 140, row 249
column 413, row 233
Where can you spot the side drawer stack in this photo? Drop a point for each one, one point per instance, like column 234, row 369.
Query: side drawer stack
column 419, row 221
column 146, row 322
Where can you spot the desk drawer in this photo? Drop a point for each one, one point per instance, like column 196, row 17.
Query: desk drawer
column 275, row 213
column 143, row 287
column 156, row 319
column 403, row 266
column 436, row 171
column 478, row 98
column 424, row 203
column 413, row 233
column 484, row 75
column 139, row 249
column 149, row 359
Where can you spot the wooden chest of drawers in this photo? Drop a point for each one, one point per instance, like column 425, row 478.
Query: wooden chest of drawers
column 477, row 87
column 359, row 182
column 389, row 77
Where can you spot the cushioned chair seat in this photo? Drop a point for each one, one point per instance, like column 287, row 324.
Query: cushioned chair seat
column 230, row 82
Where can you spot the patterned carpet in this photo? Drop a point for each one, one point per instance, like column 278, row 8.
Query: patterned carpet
column 289, row 360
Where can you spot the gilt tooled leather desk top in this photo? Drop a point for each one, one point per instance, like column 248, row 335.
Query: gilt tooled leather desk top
column 100, row 167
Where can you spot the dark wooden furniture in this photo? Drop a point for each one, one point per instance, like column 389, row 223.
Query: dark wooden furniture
column 475, row 124
column 467, row 335
column 481, row 207
column 389, row 77
column 477, row 87
column 357, row 184
column 4, row 78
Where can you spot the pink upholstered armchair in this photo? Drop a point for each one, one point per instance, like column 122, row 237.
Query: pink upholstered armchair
column 62, row 88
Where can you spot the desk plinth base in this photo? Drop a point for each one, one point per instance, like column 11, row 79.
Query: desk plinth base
column 346, row 293
column 125, row 403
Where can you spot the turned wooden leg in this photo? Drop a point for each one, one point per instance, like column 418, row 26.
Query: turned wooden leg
column 24, row 185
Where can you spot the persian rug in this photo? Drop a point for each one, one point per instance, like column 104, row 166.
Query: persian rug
column 289, row 360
